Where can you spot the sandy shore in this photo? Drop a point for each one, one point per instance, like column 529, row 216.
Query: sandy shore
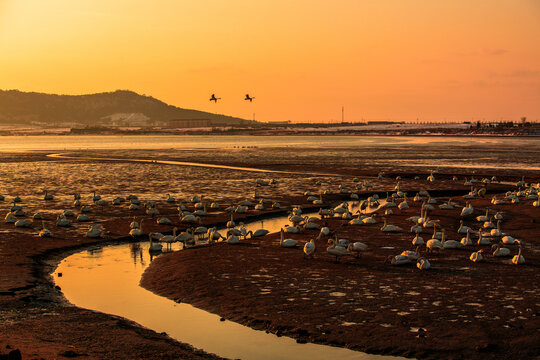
column 37, row 320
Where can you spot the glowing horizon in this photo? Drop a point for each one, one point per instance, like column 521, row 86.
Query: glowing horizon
column 301, row 60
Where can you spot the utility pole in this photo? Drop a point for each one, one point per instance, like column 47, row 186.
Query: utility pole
column 342, row 114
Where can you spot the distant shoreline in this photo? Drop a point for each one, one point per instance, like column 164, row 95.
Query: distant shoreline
column 439, row 132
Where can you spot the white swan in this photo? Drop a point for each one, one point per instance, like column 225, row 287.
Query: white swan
column 416, row 229
column 44, row 231
column 434, row 244
column 257, row 233
column 412, row 254
column 337, row 251
column 357, row 247
column 446, row 206
column 488, row 225
column 23, row 223
column 164, row 221
column 497, row 232
column 10, row 218
column 185, row 236
column 169, row 239
column 82, row 218
column 450, row 244
column 398, row 260
column 231, row 223
column 170, row 199
column 418, row 240
column 48, row 196
column 153, row 246
column 325, row 231
column 369, row 220
column 309, row 248
column 292, row 229
column 466, row 241
column 500, row 251
column 390, row 228
column 423, row 263
column 508, row 240
column 134, row 224
column 86, row 209
column 95, row 231
column 477, row 256
column 189, row 218
column 467, row 210
column 232, row 238
column 462, row 228
column 403, row 205
column 201, row 212
column 287, row 243
column 482, row 240
column 136, row 231
column 518, row 259
column 483, row 218
column 61, row 220
column 318, row 201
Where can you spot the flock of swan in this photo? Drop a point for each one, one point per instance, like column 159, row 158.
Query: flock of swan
column 489, row 224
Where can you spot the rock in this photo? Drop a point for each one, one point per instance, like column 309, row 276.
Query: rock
column 222, row 319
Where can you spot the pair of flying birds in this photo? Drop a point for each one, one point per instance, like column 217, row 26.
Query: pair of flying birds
column 215, row 99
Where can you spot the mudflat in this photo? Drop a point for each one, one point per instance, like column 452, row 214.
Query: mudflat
column 457, row 309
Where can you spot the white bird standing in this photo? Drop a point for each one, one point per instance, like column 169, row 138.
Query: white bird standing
column 357, row 247
column 337, row 251
column 309, row 248
column 154, row 246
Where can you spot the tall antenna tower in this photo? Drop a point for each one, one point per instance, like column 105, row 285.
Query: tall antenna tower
column 342, row 114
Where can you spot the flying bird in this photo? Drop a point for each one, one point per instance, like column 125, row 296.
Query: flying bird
column 249, row 98
column 214, row 98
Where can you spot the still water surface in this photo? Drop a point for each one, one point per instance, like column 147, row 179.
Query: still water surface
column 95, row 142
column 111, row 285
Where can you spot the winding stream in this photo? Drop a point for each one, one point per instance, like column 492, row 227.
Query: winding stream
column 107, row 279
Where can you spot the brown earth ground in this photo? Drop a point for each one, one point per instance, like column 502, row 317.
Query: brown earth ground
column 36, row 319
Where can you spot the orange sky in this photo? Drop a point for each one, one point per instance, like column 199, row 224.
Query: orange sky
column 301, row 59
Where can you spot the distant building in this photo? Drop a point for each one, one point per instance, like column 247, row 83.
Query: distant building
column 382, row 122
column 189, row 123
column 126, row 119
column 286, row 122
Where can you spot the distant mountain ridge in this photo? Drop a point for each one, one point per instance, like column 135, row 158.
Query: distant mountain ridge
column 121, row 107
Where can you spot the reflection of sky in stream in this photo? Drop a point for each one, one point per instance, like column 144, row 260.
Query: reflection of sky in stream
column 106, row 279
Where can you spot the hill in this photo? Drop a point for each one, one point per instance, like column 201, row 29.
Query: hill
column 118, row 108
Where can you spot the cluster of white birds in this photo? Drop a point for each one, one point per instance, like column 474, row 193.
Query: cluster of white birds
column 489, row 228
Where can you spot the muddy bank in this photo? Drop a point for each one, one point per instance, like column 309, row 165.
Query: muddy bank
column 34, row 316
column 458, row 309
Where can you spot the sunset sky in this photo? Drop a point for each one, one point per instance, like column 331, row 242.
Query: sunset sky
column 302, row 59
